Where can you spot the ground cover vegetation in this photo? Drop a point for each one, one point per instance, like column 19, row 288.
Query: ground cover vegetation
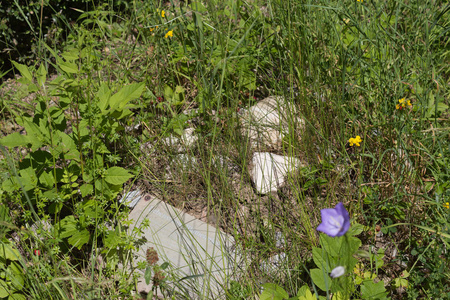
column 366, row 217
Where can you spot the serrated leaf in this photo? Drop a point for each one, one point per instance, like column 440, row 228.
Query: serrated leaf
column 68, row 146
column 47, row 179
column 67, row 226
column 79, row 238
column 86, row 189
column 371, row 290
column 117, row 175
column 112, row 239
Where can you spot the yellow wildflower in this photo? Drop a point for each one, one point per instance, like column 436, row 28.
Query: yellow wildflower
column 447, row 205
column 403, row 103
column 355, row 141
column 359, row 0
column 163, row 14
column 153, row 28
column 169, row 33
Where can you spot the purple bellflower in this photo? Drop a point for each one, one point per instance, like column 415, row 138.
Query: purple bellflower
column 335, row 221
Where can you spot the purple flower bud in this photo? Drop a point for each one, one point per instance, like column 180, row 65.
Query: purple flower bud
column 337, row 272
column 335, row 221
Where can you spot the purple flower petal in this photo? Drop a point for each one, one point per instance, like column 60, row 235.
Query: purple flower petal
column 335, row 221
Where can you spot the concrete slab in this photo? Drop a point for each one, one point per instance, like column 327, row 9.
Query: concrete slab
column 202, row 258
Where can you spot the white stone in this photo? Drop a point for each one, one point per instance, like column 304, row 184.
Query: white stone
column 187, row 140
column 274, row 263
column 269, row 170
column 192, row 247
column 268, row 121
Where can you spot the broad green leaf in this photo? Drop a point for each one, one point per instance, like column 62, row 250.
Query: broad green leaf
column 112, row 239
column 127, row 93
column 17, row 296
column 355, row 229
column 10, row 185
column 272, row 291
column 67, row 226
column 41, row 75
column 103, row 95
column 68, row 147
column 47, row 179
column 319, row 260
column 68, row 67
column 8, row 252
column 371, row 290
column 16, row 276
column 117, row 175
column 321, row 279
column 86, row 189
column 28, row 178
column 304, row 293
column 71, row 55
column 4, row 289
column 168, row 92
column 165, row 265
column 15, row 140
column 24, row 71
column 148, row 275
column 79, row 238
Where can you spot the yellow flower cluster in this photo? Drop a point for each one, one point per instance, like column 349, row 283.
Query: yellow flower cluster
column 169, row 33
column 403, row 103
column 163, row 14
column 355, row 141
column 447, row 205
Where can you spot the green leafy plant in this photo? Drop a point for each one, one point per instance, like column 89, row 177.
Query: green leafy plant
column 64, row 175
column 12, row 276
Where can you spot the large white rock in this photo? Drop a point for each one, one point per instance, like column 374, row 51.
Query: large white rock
column 196, row 251
column 181, row 144
column 268, row 170
column 266, row 122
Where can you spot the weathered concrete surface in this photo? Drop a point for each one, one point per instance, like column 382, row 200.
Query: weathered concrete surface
column 192, row 247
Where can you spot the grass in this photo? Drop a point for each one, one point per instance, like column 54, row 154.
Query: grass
column 344, row 65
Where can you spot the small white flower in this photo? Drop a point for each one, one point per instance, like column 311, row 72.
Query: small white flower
column 337, row 272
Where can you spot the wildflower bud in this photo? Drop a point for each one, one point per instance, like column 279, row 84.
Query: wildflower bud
column 37, row 252
column 337, row 272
